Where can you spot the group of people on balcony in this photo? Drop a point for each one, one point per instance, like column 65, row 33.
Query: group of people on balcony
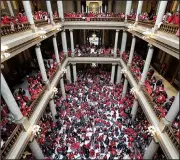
column 154, row 87
column 93, row 122
column 95, row 15
column 169, row 17
column 92, row 49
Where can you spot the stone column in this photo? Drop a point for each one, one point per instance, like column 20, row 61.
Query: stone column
column 49, row 9
column 128, row 9
column 115, row 44
column 174, row 110
column 131, row 51
column 41, row 63
column 28, row 11
column 56, row 49
column 110, row 6
column 123, row 42
column 36, row 150
column 62, row 88
column 9, row 99
column 146, row 65
column 68, row 74
column 161, row 12
column 113, row 73
column 84, row 36
column 60, row 10
column 74, row 72
column 119, row 75
column 72, row 42
column 103, row 35
column 64, row 43
column 53, row 109
column 124, row 88
column 139, row 9
column 151, row 150
column 134, row 109
column 10, row 8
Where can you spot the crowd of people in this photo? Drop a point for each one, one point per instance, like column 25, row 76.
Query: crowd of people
column 92, row 14
column 154, row 87
column 92, row 49
column 93, row 122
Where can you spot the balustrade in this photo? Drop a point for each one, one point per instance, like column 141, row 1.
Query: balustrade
column 169, row 28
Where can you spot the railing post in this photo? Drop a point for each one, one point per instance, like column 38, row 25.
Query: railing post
column 124, row 88
column 113, row 73
column 68, row 73
column 62, row 88
column 53, row 108
column 134, row 109
column 119, row 75
column 64, row 42
column 74, row 72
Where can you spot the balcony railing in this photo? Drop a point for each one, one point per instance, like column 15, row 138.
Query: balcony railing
column 8, row 29
column 175, row 140
column 36, row 102
column 115, row 19
column 169, row 28
column 11, row 141
column 94, row 55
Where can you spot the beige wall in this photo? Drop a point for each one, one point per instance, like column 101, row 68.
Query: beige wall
column 68, row 6
column 120, row 6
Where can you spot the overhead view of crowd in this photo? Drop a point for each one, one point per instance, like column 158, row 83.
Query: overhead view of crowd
column 92, row 49
column 93, row 122
column 154, row 87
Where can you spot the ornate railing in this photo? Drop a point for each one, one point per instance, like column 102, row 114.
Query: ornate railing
column 116, row 19
column 95, row 55
column 8, row 29
column 41, row 22
column 169, row 28
column 36, row 102
column 56, row 20
column 11, row 141
column 172, row 136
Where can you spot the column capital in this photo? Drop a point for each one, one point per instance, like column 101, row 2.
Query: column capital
column 54, row 35
column 73, row 63
column 113, row 64
column 71, row 30
column 124, row 30
column 37, row 45
column 133, row 36
column 117, row 30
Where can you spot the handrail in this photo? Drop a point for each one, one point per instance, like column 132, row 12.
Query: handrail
column 93, row 18
column 40, row 22
column 7, row 30
column 11, row 141
column 94, row 55
column 169, row 28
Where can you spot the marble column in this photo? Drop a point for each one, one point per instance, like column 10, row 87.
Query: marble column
column 53, row 109
column 131, row 51
column 124, row 88
column 84, row 36
column 64, row 43
column 56, row 49
column 60, row 10
column 36, row 150
column 62, row 88
column 49, row 9
column 74, row 72
column 10, row 8
column 161, row 12
column 110, row 6
column 128, row 9
column 28, row 11
column 116, row 43
column 174, row 110
column 72, row 42
column 151, row 150
column 146, row 65
column 9, row 99
column 113, row 73
column 134, row 109
column 68, row 74
column 123, row 42
column 139, row 9
column 41, row 63
column 119, row 75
